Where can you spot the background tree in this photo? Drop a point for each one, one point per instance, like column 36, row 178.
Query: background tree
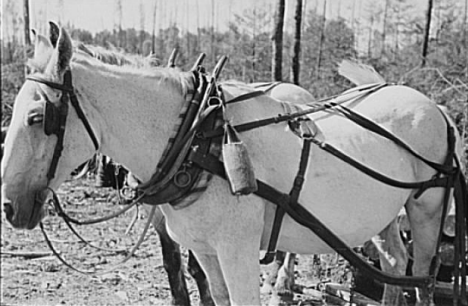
column 297, row 43
column 321, row 39
column 427, row 30
column 27, row 39
column 277, row 39
column 392, row 46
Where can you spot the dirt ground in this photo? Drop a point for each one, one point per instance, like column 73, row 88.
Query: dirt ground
column 32, row 275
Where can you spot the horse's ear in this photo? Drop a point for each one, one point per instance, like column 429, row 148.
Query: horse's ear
column 62, row 53
column 54, row 32
column 42, row 51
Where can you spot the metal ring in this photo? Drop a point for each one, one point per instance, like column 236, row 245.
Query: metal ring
column 218, row 101
column 182, row 179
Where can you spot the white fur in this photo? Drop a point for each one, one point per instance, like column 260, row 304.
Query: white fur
column 133, row 114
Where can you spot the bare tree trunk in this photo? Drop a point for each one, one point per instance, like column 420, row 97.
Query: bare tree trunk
column 397, row 32
column 198, row 23
column 277, row 39
column 384, row 30
column 426, row 33
column 187, row 26
column 27, row 39
column 254, row 47
column 212, row 30
column 465, row 35
column 322, row 38
column 142, row 27
column 297, row 43
column 119, row 14
column 153, row 34
column 465, row 31
column 369, row 42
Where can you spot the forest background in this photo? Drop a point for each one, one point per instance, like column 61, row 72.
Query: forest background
column 422, row 44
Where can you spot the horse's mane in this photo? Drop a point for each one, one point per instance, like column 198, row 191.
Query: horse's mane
column 359, row 74
column 115, row 57
column 131, row 62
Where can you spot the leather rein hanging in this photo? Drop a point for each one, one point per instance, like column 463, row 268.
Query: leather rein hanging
column 54, row 123
column 184, row 153
column 175, row 176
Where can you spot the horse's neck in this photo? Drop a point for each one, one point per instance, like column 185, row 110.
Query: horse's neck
column 133, row 115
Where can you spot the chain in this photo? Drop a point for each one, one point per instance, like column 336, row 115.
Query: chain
column 352, row 287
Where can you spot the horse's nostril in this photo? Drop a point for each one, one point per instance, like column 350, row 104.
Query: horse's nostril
column 8, row 209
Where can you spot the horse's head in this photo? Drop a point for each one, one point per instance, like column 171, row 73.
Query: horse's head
column 32, row 136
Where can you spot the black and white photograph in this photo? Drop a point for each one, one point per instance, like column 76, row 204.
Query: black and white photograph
column 234, row 152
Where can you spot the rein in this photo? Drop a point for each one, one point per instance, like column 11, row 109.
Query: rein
column 69, row 220
column 67, row 89
column 54, row 122
column 183, row 152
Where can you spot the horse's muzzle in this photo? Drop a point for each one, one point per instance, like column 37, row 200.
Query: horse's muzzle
column 17, row 212
column 8, row 210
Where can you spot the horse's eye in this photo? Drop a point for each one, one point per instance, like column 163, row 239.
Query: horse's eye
column 34, row 118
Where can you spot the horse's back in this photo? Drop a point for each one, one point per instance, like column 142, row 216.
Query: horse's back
column 403, row 111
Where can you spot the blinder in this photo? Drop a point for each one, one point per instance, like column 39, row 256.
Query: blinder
column 55, row 117
column 51, row 121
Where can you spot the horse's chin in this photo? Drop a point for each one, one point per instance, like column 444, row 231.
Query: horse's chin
column 38, row 211
column 36, row 217
column 29, row 218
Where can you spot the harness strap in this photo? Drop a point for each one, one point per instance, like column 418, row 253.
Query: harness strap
column 293, row 197
column 60, row 136
column 450, row 183
column 81, row 115
column 307, row 219
column 174, row 176
column 253, row 94
column 267, row 121
column 373, row 127
column 461, row 223
column 175, row 143
column 422, row 185
column 312, row 108
column 67, row 87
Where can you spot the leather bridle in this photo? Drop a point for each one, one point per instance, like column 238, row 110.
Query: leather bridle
column 55, row 117
column 54, row 122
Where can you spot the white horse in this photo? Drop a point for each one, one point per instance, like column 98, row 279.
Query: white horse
column 132, row 112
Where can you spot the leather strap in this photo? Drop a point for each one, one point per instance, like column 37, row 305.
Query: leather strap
column 461, row 223
column 293, row 198
column 307, row 219
column 253, row 94
column 67, row 87
column 374, row 127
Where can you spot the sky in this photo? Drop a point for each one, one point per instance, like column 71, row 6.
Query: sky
column 98, row 15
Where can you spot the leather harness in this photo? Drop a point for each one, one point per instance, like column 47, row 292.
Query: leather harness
column 191, row 152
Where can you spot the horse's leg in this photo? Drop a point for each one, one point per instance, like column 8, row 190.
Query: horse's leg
column 283, row 290
column 172, row 261
column 393, row 259
column 241, row 270
column 211, row 266
column 425, row 215
column 200, row 278
column 272, row 276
